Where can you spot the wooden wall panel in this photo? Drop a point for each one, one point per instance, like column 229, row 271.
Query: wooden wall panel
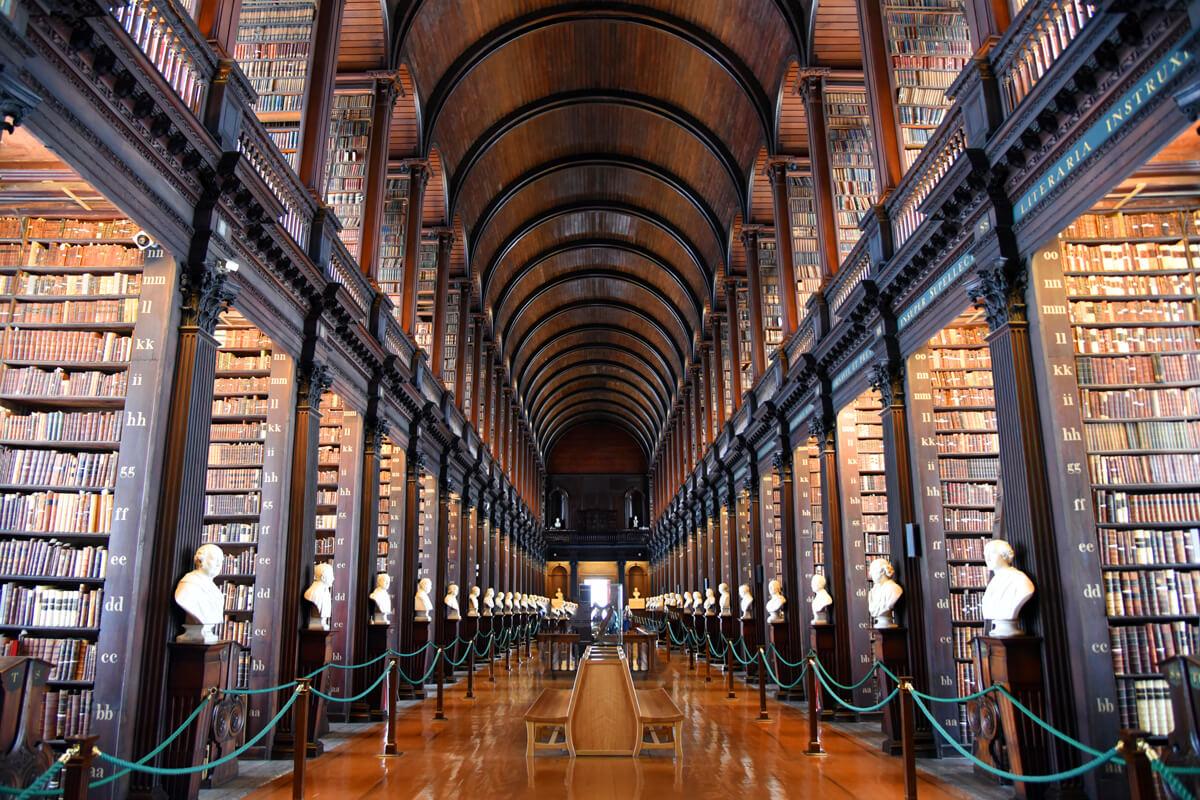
column 593, row 448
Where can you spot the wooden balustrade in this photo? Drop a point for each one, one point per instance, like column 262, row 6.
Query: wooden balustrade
column 1039, row 35
column 172, row 44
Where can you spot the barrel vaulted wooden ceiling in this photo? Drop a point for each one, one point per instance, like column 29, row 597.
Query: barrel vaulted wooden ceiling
column 599, row 159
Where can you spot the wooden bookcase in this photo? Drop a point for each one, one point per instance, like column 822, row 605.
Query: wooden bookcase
column 468, row 361
column 388, row 479
column 745, row 553
column 346, row 164
column 393, row 538
column 1120, row 324
column 391, row 244
column 928, row 45
column 851, row 160
column 454, row 545
column 449, row 298
column 768, row 281
column 745, row 363
column 806, row 259
column 727, row 367
column 952, row 413
column 274, row 41
column 427, row 529
column 810, row 529
column 772, row 530
column 861, row 468
column 427, row 289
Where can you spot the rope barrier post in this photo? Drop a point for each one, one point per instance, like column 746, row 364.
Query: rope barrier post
column 77, row 769
column 491, row 658
column 1135, row 751
column 508, row 659
column 300, row 726
column 668, row 643
column 393, row 696
column 762, row 685
column 439, row 709
column 471, row 671
column 708, row 660
column 691, row 658
column 729, row 671
column 814, row 714
column 528, row 643
column 908, row 738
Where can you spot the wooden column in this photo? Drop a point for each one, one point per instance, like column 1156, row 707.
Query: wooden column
column 374, row 429
column 718, row 371
column 784, row 255
column 495, row 551
column 313, row 380
column 218, row 23
column 698, row 405
column 441, row 556
column 483, row 385
column 318, row 95
column 716, row 543
column 479, row 361
column 811, row 90
column 735, row 343
column 823, row 428
column 784, row 468
column 757, row 582
column 878, row 79
column 376, row 186
column 445, row 241
column 758, row 355
column 987, row 20
column 409, row 546
column 706, row 378
column 418, row 176
column 180, row 517
column 735, row 557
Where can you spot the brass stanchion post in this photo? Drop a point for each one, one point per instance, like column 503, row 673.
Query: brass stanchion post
column 907, row 736
column 300, row 729
column 439, row 709
column 814, row 713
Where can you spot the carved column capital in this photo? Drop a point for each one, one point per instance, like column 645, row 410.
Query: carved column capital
column 205, row 292
column 1000, row 291
column 15, row 101
column 820, row 427
column 315, row 379
column 887, row 378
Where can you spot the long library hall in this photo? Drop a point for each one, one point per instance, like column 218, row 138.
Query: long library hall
column 647, row 398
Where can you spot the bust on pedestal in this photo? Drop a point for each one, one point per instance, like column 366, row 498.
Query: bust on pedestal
column 776, row 601
column 424, row 604
column 710, row 602
column 381, row 598
column 473, row 602
column 724, row 600
column 821, row 600
column 557, row 605
column 489, row 601
column 451, row 602
column 203, row 603
column 508, row 602
column 319, row 598
column 884, row 594
column 1007, row 592
column 746, row 601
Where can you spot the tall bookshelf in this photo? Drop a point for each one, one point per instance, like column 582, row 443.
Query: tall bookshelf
column 745, row 553
column 346, row 162
column 861, row 473
column 274, row 41
column 851, row 160
column 427, row 293
column 388, row 478
column 1117, row 295
column 391, row 246
column 727, row 368
column 391, row 547
column 806, row 258
column 810, row 526
column 450, row 344
column 454, row 545
column 745, row 362
column 928, row 45
column 468, row 361
column 953, row 416
column 772, row 306
column 427, row 528
column 772, row 529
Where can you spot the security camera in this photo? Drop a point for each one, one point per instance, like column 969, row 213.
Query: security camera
column 143, row 240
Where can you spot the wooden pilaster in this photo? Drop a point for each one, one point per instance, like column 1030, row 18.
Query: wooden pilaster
column 758, row 356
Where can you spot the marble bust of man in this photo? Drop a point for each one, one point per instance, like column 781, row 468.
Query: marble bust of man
column 725, row 600
column 381, row 597
column 821, row 600
column 776, row 601
column 710, row 602
column 473, row 602
column 508, row 602
column 884, row 594
column 202, row 601
column 557, row 603
column 424, row 603
column 451, row 602
column 320, row 598
column 687, row 602
column 489, row 601
column 746, row 601
column 697, row 603
column 1007, row 592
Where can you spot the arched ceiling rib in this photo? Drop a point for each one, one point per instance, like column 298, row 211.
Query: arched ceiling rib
column 598, row 155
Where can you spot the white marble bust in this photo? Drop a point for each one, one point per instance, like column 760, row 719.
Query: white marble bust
column 473, row 602
column 557, row 604
column 636, row 601
column 821, row 600
column 710, row 602
column 381, row 597
column 1007, row 592
column 489, row 601
column 451, row 602
column 508, row 602
column 725, row 602
column 746, row 601
column 424, row 604
column 320, row 598
column 687, row 603
column 697, row 603
column 776, row 601
column 884, row 594
column 202, row 601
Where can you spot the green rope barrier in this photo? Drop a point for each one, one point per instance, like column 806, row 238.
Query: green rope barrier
column 357, row 697
column 1099, row 761
column 138, row 767
column 745, row 662
column 965, row 698
column 424, row 678
column 781, row 684
column 413, row 654
column 35, row 789
column 870, row 674
column 712, row 651
column 1169, row 777
column 490, row 642
column 461, row 659
column 279, row 688
column 784, row 661
column 848, row 706
column 374, row 660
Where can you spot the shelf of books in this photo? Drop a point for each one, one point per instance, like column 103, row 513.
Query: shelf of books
column 391, row 522
column 768, row 282
column 1119, row 319
column 346, row 162
column 427, row 526
column 338, row 471
column 806, row 259
column 427, row 294
column 772, row 529
column 810, row 524
column 391, row 245
column 743, row 321
column 468, row 366
column 726, row 368
column 454, row 545
column 861, row 468
column 957, row 449
column 928, row 45
column 273, row 43
column 851, row 160
column 745, row 555
column 450, row 345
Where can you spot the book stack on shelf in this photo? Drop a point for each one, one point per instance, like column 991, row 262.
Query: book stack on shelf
column 743, row 322
column 388, row 477
column 273, row 43
column 69, row 290
column 453, row 543
column 468, row 364
column 745, row 553
column 816, row 505
column 806, row 259
column 427, row 294
column 928, row 44
column 772, row 528
column 727, row 368
column 768, row 281
column 346, row 165
column 390, row 272
column 851, row 160
column 329, row 453
column 1128, row 283
column 450, row 345
column 427, row 527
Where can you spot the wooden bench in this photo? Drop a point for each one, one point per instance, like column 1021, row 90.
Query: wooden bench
column 658, row 715
column 549, row 711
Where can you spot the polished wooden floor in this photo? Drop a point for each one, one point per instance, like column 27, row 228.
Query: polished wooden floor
column 478, row 752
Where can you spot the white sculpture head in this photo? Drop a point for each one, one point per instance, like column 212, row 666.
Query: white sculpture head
column 886, row 592
column 1007, row 592
column 697, row 601
column 821, row 601
column 319, row 597
column 381, row 596
column 203, row 603
column 776, row 601
column 746, row 600
column 424, row 605
column 637, row 593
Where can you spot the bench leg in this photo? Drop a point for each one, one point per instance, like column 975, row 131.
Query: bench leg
column 530, row 734
column 675, row 730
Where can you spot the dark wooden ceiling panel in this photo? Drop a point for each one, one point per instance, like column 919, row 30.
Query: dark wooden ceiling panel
column 762, row 210
column 792, row 122
column 835, row 36
column 403, row 136
column 363, row 36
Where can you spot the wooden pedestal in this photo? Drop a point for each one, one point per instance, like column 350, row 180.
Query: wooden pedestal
column 316, row 650
column 781, row 638
column 1005, row 737
column 22, row 697
column 415, row 666
column 822, row 640
column 452, row 650
column 729, row 629
column 194, row 670
column 468, row 627
column 749, row 648
column 1183, row 743
column 891, row 647
column 371, row 707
